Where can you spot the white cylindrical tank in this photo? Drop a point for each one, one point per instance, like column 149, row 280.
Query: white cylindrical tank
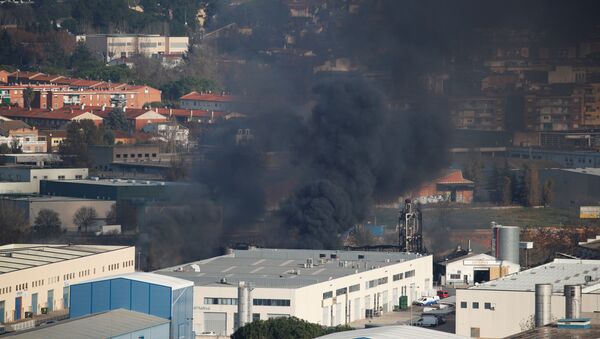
column 505, row 242
column 572, row 301
column 242, row 304
column 543, row 304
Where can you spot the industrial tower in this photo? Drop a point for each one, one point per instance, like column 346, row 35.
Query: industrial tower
column 410, row 228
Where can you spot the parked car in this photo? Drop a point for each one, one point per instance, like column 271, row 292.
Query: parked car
column 427, row 321
column 443, row 294
column 426, row 301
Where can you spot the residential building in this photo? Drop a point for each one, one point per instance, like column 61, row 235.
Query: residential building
column 136, row 118
column 172, row 133
column 474, row 268
column 563, row 158
column 214, row 102
column 193, row 115
column 26, row 180
column 35, row 278
column 54, row 138
column 478, row 113
column 326, row 287
column 589, row 95
column 153, row 294
column 555, row 108
column 51, row 119
column 23, row 135
column 66, row 207
column 114, row 46
column 506, row 306
column 118, row 324
column 127, row 96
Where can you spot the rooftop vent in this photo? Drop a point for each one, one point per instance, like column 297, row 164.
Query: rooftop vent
column 223, row 281
column 588, row 278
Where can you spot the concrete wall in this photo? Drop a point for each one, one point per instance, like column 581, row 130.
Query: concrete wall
column 51, row 277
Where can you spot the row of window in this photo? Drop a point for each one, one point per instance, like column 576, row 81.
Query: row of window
column 113, row 267
column 37, row 283
column 376, row 282
column 475, row 305
column 255, row 302
column 20, row 287
column 84, row 273
column 140, row 155
column 128, row 263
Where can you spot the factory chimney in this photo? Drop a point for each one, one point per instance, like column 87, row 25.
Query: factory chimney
column 244, row 304
column 543, row 304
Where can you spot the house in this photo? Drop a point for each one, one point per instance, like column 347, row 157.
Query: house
column 136, row 118
column 21, row 133
column 54, row 138
column 51, row 119
column 193, row 115
column 170, row 133
column 475, row 268
column 449, row 186
column 213, row 102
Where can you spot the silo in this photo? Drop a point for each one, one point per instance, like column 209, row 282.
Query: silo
column 243, row 292
column 572, row 301
column 505, row 242
column 543, row 304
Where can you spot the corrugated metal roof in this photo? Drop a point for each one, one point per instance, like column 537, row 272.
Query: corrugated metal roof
column 393, row 332
column 16, row 257
column 104, row 325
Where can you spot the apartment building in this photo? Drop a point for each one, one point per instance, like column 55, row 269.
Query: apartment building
column 35, row 278
column 51, row 119
column 212, row 102
column 115, row 46
column 553, row 108
column 478, row 113
column 126, row 96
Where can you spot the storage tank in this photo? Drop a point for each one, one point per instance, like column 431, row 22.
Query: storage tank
column 543, row 304
column 505, row 242
column 572, row 301
column 243, row 292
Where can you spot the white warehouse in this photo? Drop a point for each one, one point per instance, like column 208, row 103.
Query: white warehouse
column 506, row 306
column 320, row 286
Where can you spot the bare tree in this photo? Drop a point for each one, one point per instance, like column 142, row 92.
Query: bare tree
column 84, row 218
column 47, row 223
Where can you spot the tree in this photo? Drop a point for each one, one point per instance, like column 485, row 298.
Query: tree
column 13, row 225
column 47, row 223
column 548, row 192
column 84, row 218
column 28, row 96
column 531, row 185
column 80, row 135
column 4, row 149
column 284, row 328
column 15, row 146
column 116, row 120
column 111, row 215
column 507, row 195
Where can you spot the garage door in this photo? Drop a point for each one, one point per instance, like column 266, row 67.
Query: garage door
column 338, row 315
column 215, row 322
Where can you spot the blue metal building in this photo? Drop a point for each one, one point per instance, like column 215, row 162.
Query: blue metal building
column 158, row 295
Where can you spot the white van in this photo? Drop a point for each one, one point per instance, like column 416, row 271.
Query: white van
column 427, row 321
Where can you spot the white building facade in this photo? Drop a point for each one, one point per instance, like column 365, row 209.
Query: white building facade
column 476, row 268
column 26, row 180
column 506, row 306
column 115, row 46
column 35, row 279
column 339, row 287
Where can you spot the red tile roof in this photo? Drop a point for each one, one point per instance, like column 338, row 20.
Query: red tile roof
column 197, row 113
column 212, row 97
column 65, row 113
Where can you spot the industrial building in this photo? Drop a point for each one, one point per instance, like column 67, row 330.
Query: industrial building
column 116, row 324
column 475, row 268
column 507, row 306
column 26, row 180
column 157, row 295
column 35, row 278
column 394, row 331
column 112, row 189
column 327, row 287
column 66, row 207
column 573, row 187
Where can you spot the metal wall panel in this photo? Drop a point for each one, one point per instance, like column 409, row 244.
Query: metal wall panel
column 140, row 295
column 160, row 301
column 120, row 294
column 100, row 296
column 81, row 300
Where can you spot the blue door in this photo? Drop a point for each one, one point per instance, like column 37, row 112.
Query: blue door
column 50, row 300
column 34, row 303
column 17, row 308
column 2, row 312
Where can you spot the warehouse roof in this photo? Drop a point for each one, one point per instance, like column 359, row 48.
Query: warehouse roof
column 283, row 268
column 22, row 256
column 392, row 332
column 103, row 325
column 559, row 273
column 151, row 278
column 116, row 182
column 48, row 198
column 586, row 170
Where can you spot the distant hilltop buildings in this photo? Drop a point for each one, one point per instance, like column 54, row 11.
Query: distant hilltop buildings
column 115, row 46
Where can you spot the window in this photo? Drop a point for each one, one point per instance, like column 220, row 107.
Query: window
column 220, row 301
column 154, row 155
column 398, row 276
column 118, row 156
column 475, row 305
column 454, row 276
column 354, row 288
column 61, row 177
column 487, row 306
column 409, row 274
column 255, row 316
column 79, row 176
column 341, row 291
column 327, row 295
column 463, row 304
column 271, row 302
